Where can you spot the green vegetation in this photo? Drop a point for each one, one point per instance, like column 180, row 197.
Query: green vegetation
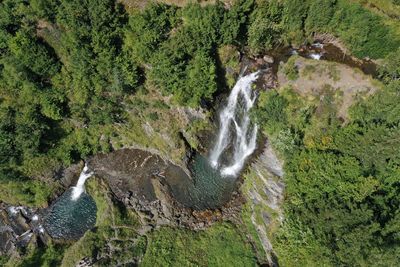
column 51, row 255
column 290, row 69
column 342, row 191
column 70, row 69
column 83, row 77
column 292, row 21
column 116, row 227
column 25, row 191
column 221, row 245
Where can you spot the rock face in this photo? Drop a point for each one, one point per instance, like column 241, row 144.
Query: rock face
column 264, row 189
column 138, row 179
column 19, row 227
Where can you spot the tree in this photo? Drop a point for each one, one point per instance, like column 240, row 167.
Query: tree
column 148, row 29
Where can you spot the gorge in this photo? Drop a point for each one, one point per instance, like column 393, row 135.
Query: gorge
column 199, row 133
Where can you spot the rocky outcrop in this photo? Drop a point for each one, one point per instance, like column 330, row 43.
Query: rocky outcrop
column 19, row 227
column 69, row 176
column 264, row 188
column 139, row 180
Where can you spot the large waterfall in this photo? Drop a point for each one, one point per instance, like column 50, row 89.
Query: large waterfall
column 80, row 185
column 243, row 135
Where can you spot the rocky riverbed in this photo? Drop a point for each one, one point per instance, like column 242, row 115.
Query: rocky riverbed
column 19, row 227
column 144, row 182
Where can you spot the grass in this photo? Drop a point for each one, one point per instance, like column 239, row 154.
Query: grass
column 382, row 7
column 290, row 69
column 32, row 193
column 220, row 245
column 115, row 222
column 230, row 60
column 152, row 121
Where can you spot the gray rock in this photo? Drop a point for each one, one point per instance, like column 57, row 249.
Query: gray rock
column 268, row 59
column 19, row 227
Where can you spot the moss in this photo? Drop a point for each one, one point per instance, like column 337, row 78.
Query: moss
column 229, row 57
column 290, row 69
column 114, row 221
column 220, row 245
column 252, row 231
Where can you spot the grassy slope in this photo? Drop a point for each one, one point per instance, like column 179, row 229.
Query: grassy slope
column 220, row 245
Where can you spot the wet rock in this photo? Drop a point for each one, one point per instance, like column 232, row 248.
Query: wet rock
column 268, row 59
column 69, row 176
column 139, row 180
column 85, row 262
column 264, row 190
column 267, row 78
column 19, row 227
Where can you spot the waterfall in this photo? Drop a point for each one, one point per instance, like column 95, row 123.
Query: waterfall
column 236, row 114
column 80, row 185
column 315, row 56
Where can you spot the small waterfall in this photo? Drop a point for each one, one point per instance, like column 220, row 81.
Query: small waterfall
column 80, row 185
column 315, row 56
column 236, row 114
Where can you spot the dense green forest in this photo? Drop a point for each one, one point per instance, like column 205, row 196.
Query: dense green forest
column 343, row 179
column 67, row 68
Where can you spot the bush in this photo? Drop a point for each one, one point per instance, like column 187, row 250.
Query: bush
column 148, row 29
column 217, row 246
column 265, row 26
column 338, row 190
column 290, row 69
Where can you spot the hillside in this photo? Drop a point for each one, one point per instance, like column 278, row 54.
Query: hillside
column 199, row 133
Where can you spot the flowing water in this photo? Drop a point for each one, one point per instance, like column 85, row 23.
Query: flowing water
column 236, row 140
column 80, row 185
column 236, row 129
column 73, row 213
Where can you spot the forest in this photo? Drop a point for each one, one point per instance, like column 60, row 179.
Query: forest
column 68, row 68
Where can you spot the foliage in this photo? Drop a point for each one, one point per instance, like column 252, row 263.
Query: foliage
column 148, row 29
column 265, row 26
column 184, row 65
column 68, row 69
column 290, row 69
column 293, row 21
column 221, row 245
column 390, row 70
column 229, row 58
column 48, row 256
column 52, row 111
column 271, row 111
column 342, row 190
column 16, row 191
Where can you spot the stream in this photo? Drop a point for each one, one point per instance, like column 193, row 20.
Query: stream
column 213, row 178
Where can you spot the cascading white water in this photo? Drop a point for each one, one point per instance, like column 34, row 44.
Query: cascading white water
column 315, row 56
column 245, row 135
column 80, row 185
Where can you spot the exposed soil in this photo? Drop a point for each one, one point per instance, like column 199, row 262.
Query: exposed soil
column 316, row 76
